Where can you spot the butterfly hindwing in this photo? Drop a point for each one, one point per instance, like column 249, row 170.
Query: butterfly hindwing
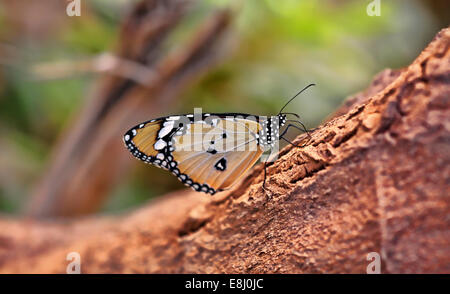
column 224, row 150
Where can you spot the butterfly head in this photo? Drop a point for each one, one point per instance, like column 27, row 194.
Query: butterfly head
column 281, row 119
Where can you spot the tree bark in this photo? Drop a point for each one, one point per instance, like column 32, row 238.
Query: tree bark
column 373, row 178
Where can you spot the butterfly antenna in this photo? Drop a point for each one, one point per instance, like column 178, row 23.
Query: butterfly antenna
column 310, row 85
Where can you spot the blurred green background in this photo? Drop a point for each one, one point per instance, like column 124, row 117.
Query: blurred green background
column 279, row 46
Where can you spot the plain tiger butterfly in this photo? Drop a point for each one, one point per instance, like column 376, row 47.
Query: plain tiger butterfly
column 209, row 151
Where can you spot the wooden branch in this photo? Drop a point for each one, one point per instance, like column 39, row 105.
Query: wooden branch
column 90, row 157
column 375, row 178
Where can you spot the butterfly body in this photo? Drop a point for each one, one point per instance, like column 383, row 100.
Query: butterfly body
column 208, row 152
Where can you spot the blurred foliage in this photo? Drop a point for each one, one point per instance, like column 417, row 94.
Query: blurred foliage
column 279, row 46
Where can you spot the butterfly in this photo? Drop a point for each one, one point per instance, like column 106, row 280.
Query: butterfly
column 209, row 152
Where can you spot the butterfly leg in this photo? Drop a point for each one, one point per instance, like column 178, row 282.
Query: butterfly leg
column 268, row 192
column 291, row 125
column 294, row 126
column 298, row 146
column 265, row 175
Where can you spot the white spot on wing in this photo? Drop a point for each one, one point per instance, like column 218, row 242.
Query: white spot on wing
column 169, row 123
column 160, row 144
column 164, row 131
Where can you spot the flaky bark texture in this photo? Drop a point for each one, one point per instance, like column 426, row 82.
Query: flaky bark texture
column 375, row 178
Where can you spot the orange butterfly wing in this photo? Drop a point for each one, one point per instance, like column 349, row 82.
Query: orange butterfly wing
column 207, row 156
column 228, row 150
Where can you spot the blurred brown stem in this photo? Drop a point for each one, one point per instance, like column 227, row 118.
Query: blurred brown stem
column 103, row 63
column 90, row 156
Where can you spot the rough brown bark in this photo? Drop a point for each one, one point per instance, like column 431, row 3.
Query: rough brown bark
column 375, row 178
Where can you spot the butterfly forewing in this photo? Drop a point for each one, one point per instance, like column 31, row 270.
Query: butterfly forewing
column 145, row 138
